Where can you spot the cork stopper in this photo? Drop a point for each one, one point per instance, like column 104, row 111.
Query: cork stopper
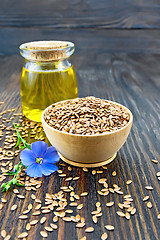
column 44, row 51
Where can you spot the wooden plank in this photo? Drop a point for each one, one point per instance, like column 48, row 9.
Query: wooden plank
column 133, row 80
column 86, row 40
column 80, row 14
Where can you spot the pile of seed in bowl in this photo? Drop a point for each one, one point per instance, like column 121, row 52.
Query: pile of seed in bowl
column 86, row 116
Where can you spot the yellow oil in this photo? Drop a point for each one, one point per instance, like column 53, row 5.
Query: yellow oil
column 40, row 89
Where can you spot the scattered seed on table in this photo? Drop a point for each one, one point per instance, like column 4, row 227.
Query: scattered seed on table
column 154, row 161
column 145, row 198
column 121, row 214
column 44, row 234
column 109, row 204
column 80, row 206
column 28, row 226
column 3, row 233
column 3, row 200
column 68, row 179
column 69, row 211
column 149, row 205
column 43, row 219
column 89, row 229
column 104, row 236
column 93, row 172
column 102, row 180
column 83, row 238
column 133, row 211
column 76, row 178
column 129, row 182
column 85, row 169
column 109, row 227
column 46, row 211
column 55, row 219
column 54, row 226
column 33, row 196
column 36, row 213
column 80, row 225
column 20, row 196
column 7, row 237
column 84, row 194
column 158, row 216
column 48, row 229
column 23, row 235
column 94, row 219
column 38, row 207
column 158, row 174
column 34, row 222
column 14, row 207
column 127, row 216
column 23, row 217
column 149, row 187
column 114, row 173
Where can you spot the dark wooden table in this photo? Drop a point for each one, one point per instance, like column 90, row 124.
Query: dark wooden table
column 117, row 58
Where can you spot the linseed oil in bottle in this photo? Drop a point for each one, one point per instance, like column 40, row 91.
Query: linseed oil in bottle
column 46, row 82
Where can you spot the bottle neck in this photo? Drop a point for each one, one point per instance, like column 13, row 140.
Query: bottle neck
column 60, row 65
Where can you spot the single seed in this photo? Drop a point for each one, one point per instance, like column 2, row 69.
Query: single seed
column 76, row 178
column 33, row 196
column 73, row 204
column 145, row 198
column 43, row 219
column 102, row 180
column 23, row 217
column 28, row 226
column 154, row 161
column 133, row 211
column 30, row 206
column 55, row 219
column 129, row 182
column 80, row 206
column 68, row 179
column 89, row 229
column 3, row 233
column 158, row 216
column 46, row 211
column 14, row 207
column 7, row 237
column 95, row 219
column 49, row 229
column 109, row 204
column 85, row 169
column 158, row 174
column 20, row 196
column 104, row 236
column 67, row 219
column 80, row 225
column 44, row 234
column 36, row 213
column 114, row 173
column 3, row 200
column 98, row 204
column 149, row 205
column 93, row 172
column 109, row 227
column 84, row 194
column 121, row 214
column 127, row 215
column 23, row 235
column 83, row 238
column 149, row 187
column 38, row 207
column 54, row 226
column 34, row 222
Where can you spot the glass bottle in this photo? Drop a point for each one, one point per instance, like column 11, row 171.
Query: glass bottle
column 47, row 77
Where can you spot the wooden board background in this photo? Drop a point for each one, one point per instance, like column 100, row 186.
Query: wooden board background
column 117, row 58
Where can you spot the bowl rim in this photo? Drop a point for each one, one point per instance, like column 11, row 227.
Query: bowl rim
column 95, row 135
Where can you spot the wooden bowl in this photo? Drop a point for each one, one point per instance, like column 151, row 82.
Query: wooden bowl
column 88, row 150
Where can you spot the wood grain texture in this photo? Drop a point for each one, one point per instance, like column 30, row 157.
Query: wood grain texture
column 80, row 14
column 132, row 79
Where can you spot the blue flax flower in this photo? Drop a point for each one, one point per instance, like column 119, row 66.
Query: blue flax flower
column 40, row 160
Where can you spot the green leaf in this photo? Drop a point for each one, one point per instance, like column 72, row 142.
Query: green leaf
column 10, row 173
column 18, row 142
column 14, row 181
column 19, row 185
column 3, row 185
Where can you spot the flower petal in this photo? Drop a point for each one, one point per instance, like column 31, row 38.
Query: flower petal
column 34, row 170
column 51, row 155
column 39, row 148
column 48, row 168
column 27, row 157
